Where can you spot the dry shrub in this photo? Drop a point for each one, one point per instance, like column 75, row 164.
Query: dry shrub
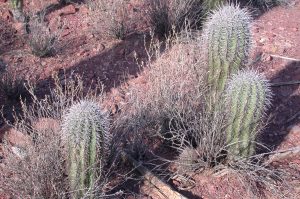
column 268, row 4
column 110, row 17
column 37, row 169
column 171, row 104
column 7, row 35
column 13, row 85
column 42, row 41
column 166, row 15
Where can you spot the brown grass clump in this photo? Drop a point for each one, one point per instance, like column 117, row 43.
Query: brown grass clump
column 110, row 18
column 42, row 41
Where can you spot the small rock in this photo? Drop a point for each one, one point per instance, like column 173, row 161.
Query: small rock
column 70, row 9
column 132, row 55
column 19, row 27
column 43, row 63
column 82, row 52
column 295, row 29
column 65, row 32
column 21, row 153
column 266, row 57
column 262, row 40
column 99, row 48
column 90, row 36
column 84, row 10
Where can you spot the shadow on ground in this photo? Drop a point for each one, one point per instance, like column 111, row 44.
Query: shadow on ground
column 285, row 110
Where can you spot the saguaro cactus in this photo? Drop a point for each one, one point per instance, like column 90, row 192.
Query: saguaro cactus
column 17, row 4
column 211, row 4
column 248, row 96
column 227, row 41
column 86, row 136
column 17, row 9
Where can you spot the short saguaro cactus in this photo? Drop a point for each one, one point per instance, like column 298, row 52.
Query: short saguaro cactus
column 247, row 97
column 86, row 137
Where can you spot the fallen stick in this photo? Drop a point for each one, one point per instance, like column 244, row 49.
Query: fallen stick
column 280, row 155
column 285, row 83
column 165, row 191
column 286, row 58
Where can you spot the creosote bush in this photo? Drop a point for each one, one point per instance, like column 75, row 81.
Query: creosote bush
column 41, row 39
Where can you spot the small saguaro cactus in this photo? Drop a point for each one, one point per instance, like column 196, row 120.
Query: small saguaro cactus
column 17, row 9
column 17, row 4
column 248, row 96
column 211, row 4
column 227, row 41
column 86, row 137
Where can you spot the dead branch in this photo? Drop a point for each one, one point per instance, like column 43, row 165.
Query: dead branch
column 164, row 190
column 286, row 58
column 280, row 155
column 285, row 83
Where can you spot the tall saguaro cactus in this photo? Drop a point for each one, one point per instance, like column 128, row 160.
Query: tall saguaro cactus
column 86, row 137
column 248, row 96
column 227, row 39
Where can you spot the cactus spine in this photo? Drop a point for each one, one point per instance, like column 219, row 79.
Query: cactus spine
column 86, row 137
column 248, row 96
column 227, row 36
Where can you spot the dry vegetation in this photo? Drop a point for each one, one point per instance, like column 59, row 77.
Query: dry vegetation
column 171, row 112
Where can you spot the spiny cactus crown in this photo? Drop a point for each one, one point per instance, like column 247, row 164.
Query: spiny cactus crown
column 77, row 122
column 248, row 78
column 228, row 41
column 248, row 96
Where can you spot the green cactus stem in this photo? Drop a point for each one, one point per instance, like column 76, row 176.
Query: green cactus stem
column 85, row 131
column 227, row 38
column 248, row 96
